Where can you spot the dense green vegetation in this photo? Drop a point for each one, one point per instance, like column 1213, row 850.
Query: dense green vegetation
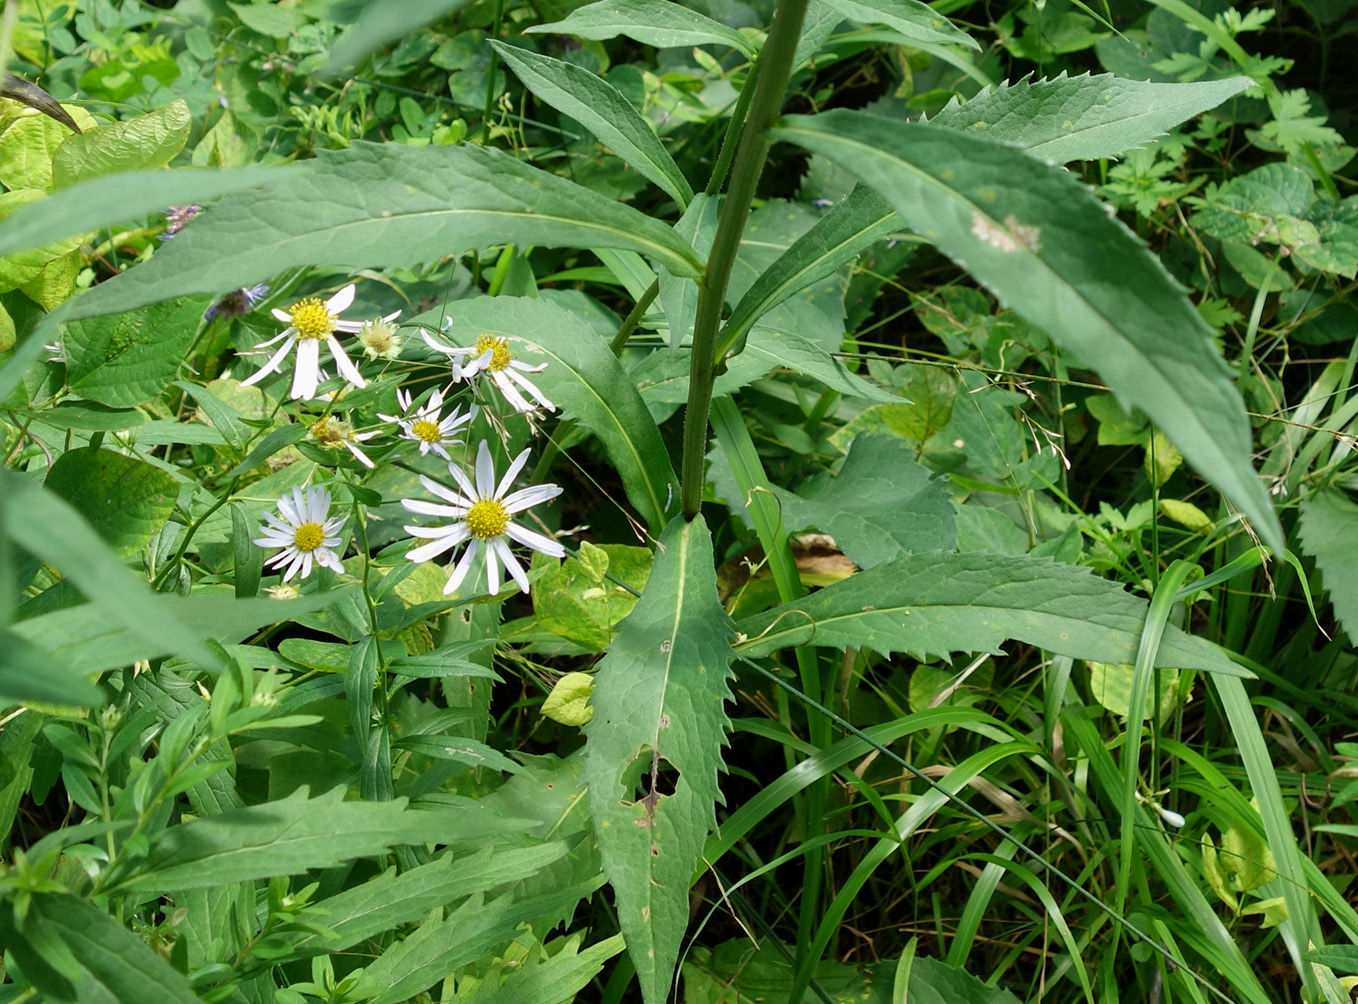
column 815, row 500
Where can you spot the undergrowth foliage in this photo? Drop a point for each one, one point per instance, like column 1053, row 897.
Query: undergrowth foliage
column 808, row 501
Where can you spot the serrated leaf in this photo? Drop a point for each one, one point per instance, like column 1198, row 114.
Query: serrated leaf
column 283, row 837
column 73, row 951
column 603, row 110
column 658, row 704
column 1336, row 226
column 1329, row 533
column 882, row 504
column 139, row 144
column 652, row 22
column 127, row 359
column 1046, row 247
column 930, row 605
column 914, row 20
column 837, row 237
column 102, row 202
column 376, row 205
column 125, row 499
column 588, row 383
column 1085, row 117
column 1266, row 205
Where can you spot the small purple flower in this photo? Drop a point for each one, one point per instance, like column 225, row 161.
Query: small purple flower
column 237, row 303
column 176, row 217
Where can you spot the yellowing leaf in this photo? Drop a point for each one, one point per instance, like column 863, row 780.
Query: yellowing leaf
column 568, row 703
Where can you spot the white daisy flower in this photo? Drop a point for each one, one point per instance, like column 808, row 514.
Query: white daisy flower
column 305, row 531
column 379, row 339
column 311, row 322
column 332, row 433
column 482, row 516
column 491, row 355
column 425, row 427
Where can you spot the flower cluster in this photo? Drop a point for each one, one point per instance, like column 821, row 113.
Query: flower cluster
column 476, row 513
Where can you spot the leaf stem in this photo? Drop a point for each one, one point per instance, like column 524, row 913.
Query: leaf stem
column 770, row 82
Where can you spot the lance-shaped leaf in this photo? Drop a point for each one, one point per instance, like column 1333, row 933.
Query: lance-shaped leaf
column 384, row 205
column 911, row 18
column 586, row 381
column 930, row 605
column 654, row 748
column 603, row 110
column 1046, row 247
column 850, row 226
column 1086, row 117
column 381, row 22
column 660, row 23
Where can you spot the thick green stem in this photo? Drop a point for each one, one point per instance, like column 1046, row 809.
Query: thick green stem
column 775, row 68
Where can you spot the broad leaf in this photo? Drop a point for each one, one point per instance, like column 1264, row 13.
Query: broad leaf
column 381, row 22
column 139, row 144
column 914, row 20
column 587, row 382
column 1046, row 247
column 930, row 605
column 102, row 202
column 1085, row 117
column 384, row 205
column 290, row 836
column 603, row 110
column 837, row 238
column 72, row 951
column 659, row 719
column 652, row 22
column 27, row 673
column 125, row 499
column 25, row 266
column 128, row 359
column 1329, row 533
column 881, row 506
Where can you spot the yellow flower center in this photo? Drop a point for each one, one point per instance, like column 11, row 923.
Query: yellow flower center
column 311, row 319
column 308, row 537
column 426, row 431
column 486, row 519
column 380, row 339
column 500, row 354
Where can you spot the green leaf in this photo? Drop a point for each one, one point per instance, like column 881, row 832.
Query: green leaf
column 1046, row 247
column 283, row 837
column 931, row 605
column 102, row 202
column 127, row 359
column 273, row 20
column 660, row 23
column 95, row 637
column 28, row 674
column 25, row 266
column 603, row 110
column 658, row 706
column 381, row 22
column 881, row 506
column 914, row 20
column 75, row 952
column 678, row 295
column 384, row 205
column 1085, row 117
column 1267, row 205
column 587, row 382
column 138, row 144
column 850, row 226
column 125, row 499
column 577, row 601
column 1329, row 533
column 28, row 145
column 51, row 529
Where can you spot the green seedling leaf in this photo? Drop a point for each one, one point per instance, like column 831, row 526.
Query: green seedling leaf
column 587, row 382
column 658, row 712
column 1085, row 117
column 660, row 23
column 1047, row 248
column 568, row 703
column 881, row 506
column 102, row 202
column 126, row 500
column 914, row 20
column 127, row 359
column 389, row 205
column 139, row 144
column 930, row 605
column 1329, row 533
column 73, row 951
column 603, row 110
